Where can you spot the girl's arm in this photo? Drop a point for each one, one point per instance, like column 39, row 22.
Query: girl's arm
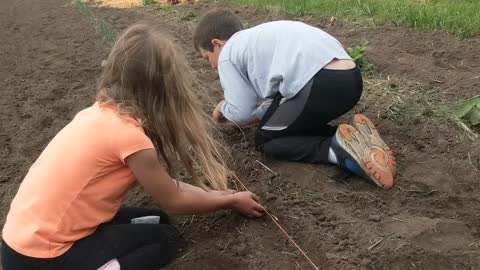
column 156, row 181
column 186, row 187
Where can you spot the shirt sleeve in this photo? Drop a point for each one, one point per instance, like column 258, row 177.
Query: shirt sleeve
column 130, row 139
column 262, row 109
column 240, row 96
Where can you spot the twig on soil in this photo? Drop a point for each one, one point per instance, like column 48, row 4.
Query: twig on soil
column 243, row 134
column 275, row 221
column 346, row 222
column 471, row 162
column 236, row 186
column 370, row 248
column 289, row 253
column 265, row 166
column 185, row 255
column 397, row 248
column 225, row 248
column 298, row 265
column 193, row 216
column 474, row 243
column 397, row 219
column 183, row 224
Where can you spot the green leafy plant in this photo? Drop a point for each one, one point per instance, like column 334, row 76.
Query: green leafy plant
column 470, row 109
column 358, row 54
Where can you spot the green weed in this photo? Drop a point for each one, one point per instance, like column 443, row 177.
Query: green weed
column 187, row 16
column 168, row 9
column 470, row 109
column 358, row 55
column 149, row 2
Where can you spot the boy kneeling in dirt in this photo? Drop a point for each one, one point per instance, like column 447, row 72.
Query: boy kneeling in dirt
column 305, row 79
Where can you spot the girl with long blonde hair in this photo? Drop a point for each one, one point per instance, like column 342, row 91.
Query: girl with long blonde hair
column 145, row 122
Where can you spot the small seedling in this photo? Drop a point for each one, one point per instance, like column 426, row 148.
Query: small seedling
column 187, row 16
column 168, row 9
column 358, row 55
column 470, row 109
column 149, row 2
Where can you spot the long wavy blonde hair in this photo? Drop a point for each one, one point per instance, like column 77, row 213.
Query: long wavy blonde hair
column 148, row 80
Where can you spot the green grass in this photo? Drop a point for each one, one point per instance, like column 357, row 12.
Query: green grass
column 459, row 17
column 101, row 26
column 187, row 16
column 148, row 2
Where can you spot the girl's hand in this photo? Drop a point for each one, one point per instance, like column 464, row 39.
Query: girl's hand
column 246, row 203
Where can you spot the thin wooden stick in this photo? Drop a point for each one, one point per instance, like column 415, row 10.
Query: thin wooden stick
column 275, row 221
column 265, row 166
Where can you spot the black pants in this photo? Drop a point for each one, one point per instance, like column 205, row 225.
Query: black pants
column 299, row 129
column 135, row 246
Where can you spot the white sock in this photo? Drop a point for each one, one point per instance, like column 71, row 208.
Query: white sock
column 331, row 156
column 111, row 265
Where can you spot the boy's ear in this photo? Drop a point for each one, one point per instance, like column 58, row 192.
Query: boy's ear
column 218, row 42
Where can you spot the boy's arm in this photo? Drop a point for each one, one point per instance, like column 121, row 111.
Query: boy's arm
column 220, row 118
column 240, row 102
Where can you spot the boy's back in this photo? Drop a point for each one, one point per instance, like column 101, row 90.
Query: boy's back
column 278, row 56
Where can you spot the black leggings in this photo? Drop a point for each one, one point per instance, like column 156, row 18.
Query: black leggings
column 135, row 246
column 298, row 129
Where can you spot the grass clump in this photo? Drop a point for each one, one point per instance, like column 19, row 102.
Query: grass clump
column 168, row 9
column 101, row 26
column 405, row 102
column 457, row 17
column 149, row 2
column 187, row 16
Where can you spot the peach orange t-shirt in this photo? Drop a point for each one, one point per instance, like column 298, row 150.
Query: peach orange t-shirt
column 78, row 182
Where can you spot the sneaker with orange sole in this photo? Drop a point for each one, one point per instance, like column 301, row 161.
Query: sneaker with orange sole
column 354, row 154
column 365, row 126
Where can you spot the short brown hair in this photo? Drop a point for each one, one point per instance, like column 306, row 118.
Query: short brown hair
column 216, row 24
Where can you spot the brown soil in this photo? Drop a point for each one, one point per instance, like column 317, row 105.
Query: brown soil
column 51, row 58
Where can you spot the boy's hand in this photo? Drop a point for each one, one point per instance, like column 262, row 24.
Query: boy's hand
column 246, row 203
column 217, row 114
